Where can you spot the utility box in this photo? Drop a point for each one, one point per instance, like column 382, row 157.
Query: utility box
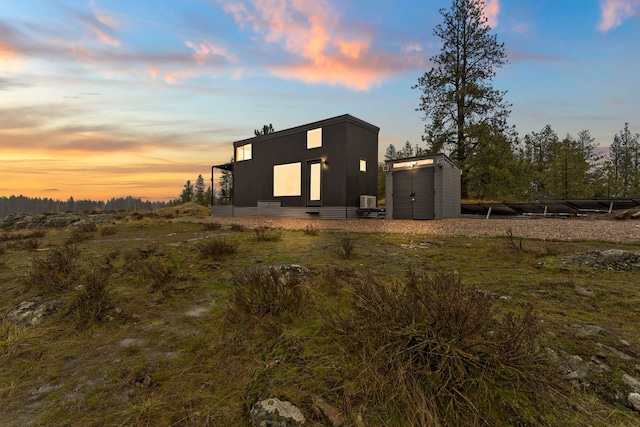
column 425, row 187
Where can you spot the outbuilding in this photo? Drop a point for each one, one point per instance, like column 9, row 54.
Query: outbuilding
column 425, row 187
column 325, row 169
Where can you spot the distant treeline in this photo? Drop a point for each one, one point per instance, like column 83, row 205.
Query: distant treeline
column 22, row 204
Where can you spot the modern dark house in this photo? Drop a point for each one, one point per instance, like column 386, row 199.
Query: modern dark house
column 425, row 187
column 326, row 169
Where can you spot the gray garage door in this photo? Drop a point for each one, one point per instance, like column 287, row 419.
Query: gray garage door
column 418, row 182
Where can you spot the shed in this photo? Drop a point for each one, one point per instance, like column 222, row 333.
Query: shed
column 425, row 187
column 322, row 170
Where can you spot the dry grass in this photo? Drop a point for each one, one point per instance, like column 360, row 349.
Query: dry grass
column 432, row 348
column 155, row 333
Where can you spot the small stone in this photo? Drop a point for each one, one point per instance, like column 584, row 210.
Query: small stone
column 276, row 413
column 634, row 401
column 579, row 290
column 333, row 414
column 631, row 382
column 616, row 352
column 587, row 330
column 625, row 343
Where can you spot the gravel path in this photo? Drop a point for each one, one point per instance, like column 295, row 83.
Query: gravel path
column 546, row 229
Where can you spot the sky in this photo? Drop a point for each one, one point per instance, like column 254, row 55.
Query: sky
column 115, row 98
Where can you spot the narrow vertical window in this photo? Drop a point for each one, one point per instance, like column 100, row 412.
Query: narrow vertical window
column 363, row 165
column 314, row 138
column 314, row 181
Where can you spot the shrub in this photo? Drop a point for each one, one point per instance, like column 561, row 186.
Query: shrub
column 158, row 276
column 56, row 271
column 431, row 348
column 310, row 230
column 212, row 226
column 346, row 247
column 78, row 235
column 90, row 302
column 260, row 291
column 217, row 248
column 28, row 244
column 267, row 234
column 108, row 230
column 238, row 227
column 36, row 234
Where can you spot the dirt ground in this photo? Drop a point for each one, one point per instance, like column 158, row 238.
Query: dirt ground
column 569, row 229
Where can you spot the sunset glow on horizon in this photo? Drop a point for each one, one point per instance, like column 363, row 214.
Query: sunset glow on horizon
column 102, row 99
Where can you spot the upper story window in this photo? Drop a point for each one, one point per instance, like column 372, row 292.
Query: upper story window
column 363, row 165
column 243, row 152
column 314, row 138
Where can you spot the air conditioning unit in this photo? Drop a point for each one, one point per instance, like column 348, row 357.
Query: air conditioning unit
column 367, row 202
column 385, row 168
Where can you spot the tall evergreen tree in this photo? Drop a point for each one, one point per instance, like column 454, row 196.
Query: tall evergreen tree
column 624, row 160
column 457, row 95
column 200, row 192
column 187, row 193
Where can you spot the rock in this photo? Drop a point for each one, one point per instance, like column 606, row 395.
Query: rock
column 276, row 413
column 331, row 413
column 33, row 312
column 631, row 382
column 579, row 290
column 634, row 401
column 624, row 342
column 616, row 352
column 587, row 330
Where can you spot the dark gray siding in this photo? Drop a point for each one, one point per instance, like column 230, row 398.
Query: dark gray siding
column 345, row 140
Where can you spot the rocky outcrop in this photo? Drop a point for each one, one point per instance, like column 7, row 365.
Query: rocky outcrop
column 276, row 413
column 33, row 312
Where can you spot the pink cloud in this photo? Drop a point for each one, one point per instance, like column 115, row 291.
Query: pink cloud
column 491, row 11
column 613, row 12
column 102, row 25
column 325, row 49
column 206, row 50
column 8, row 58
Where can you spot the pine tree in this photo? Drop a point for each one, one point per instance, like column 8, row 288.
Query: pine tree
column 187, row 193
column 201, row 195
column 457, row 95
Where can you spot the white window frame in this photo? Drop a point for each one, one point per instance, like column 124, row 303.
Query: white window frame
column 287, row 179
column 243, row 152
column 314, row 138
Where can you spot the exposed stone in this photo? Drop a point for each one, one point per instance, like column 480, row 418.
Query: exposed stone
column 616, row 352
column 612, row 259
column 587, row 330
column 631, row 382
column 331, row 413
column 33, row 312
column 579, row 290
column 276, row 413
column 624, row 342
column 634, row 401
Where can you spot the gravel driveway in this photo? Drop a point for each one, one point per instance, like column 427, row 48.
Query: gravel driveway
column 627, row 231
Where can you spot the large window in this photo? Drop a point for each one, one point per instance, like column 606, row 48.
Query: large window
column 314, row 138
column 243, row 152
column 287, row 180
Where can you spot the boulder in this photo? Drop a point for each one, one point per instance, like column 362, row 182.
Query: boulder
column 634, row 401
column 276, row 413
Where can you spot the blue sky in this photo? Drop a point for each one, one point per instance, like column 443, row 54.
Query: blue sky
column 109, row 98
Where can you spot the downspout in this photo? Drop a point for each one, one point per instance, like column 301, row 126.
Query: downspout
column 212, row 190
